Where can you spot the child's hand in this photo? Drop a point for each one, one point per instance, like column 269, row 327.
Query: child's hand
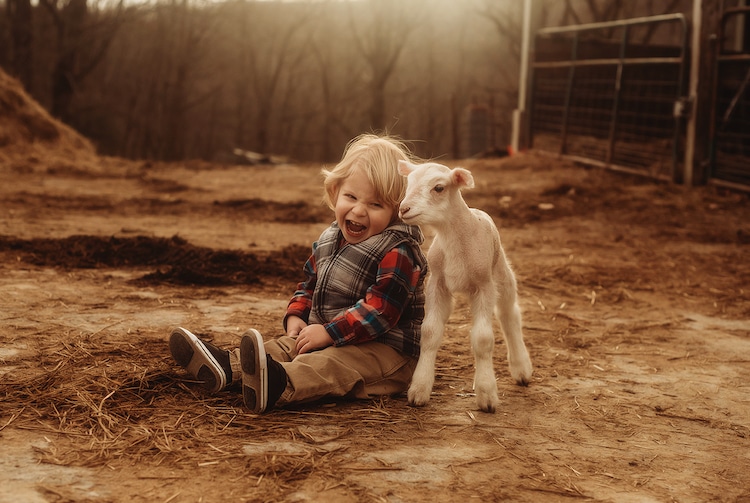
column 311, row 338
column 294, row 325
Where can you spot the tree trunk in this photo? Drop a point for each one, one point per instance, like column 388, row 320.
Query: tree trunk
column 19, row 14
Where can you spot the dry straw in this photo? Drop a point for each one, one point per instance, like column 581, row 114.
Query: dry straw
column 99, row 403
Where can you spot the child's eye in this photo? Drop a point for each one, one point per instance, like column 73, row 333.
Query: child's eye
column 439, row 188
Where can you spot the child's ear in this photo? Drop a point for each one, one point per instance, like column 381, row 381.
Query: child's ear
column 405, row 167
column 462, row 178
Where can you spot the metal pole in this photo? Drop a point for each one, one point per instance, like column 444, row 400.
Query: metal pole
column 616, row 98
column 569, row 96
column 695, row 58
column 523, row 77
column 609, row 24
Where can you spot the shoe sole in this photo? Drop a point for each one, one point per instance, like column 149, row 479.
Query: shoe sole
column 254, row 371
column 192, row 355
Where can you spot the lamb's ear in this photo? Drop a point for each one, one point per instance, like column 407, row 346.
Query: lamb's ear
column 462, row 178
column 405, row 167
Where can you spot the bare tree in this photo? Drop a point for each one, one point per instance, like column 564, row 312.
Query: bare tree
column 82, row 39
column 20, row 18
column 265, row 50
column 323, row 59
column 153, row 81
column 182, row 78
column 189, row 30
column 340, row 99
column 506, row 18
column 380, row 32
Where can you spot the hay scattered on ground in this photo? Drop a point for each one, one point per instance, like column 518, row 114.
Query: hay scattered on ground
column 98, row 403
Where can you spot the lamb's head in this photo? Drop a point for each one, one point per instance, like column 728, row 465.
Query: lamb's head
column 432, row 189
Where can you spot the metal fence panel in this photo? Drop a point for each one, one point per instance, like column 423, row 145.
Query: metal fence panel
column 598, row 96
column 730, row 161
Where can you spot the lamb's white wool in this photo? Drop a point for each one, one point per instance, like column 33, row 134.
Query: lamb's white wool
column 465, row 257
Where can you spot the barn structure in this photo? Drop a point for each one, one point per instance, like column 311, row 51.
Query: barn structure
column 664, row 96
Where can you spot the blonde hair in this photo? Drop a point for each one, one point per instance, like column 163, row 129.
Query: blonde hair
column 378, row 156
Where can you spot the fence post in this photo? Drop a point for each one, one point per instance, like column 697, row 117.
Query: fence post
column 616, row 98
column 519, row 114
column 706, row 16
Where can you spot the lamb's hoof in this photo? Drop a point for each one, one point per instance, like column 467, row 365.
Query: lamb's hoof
column 418, row 398
column 487, row 407
column 487, row 402
column 522, row 373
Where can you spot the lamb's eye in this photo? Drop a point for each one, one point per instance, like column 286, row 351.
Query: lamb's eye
column 439, row 188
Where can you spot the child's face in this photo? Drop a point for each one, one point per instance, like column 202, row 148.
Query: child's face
column 359, row 213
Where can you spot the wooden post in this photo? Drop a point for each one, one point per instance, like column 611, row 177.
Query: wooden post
column 705, row 25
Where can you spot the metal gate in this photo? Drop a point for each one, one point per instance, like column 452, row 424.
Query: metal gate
column 730, row 138
column 599, row 97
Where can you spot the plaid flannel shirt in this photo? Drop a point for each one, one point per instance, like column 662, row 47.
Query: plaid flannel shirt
column 373, row 290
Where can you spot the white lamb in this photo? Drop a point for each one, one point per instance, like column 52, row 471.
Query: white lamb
column 465, row 257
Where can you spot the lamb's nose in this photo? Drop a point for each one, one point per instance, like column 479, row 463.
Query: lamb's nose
column 403, row 211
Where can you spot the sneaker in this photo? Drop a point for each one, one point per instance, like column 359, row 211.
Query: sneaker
column 204, row 361
column 263, row 378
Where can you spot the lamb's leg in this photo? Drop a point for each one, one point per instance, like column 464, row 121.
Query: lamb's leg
column 482, row 344
column 438, row 307
column 510, row 319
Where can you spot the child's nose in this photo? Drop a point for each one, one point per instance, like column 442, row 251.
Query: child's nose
column 359, row 209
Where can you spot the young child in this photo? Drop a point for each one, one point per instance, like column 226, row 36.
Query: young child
column 352, row 328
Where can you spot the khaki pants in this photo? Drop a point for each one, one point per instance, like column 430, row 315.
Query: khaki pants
column 357, row 371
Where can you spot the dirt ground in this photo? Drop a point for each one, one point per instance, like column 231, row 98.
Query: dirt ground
column 636, row 304
column 636, row 309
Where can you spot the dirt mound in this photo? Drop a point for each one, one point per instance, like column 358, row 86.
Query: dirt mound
column 176, row 261
column 31, row 139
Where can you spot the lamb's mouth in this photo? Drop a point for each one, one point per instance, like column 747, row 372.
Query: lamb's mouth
column 408, row 217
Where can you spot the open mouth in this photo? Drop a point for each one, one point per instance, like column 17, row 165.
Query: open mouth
column 355, row 229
